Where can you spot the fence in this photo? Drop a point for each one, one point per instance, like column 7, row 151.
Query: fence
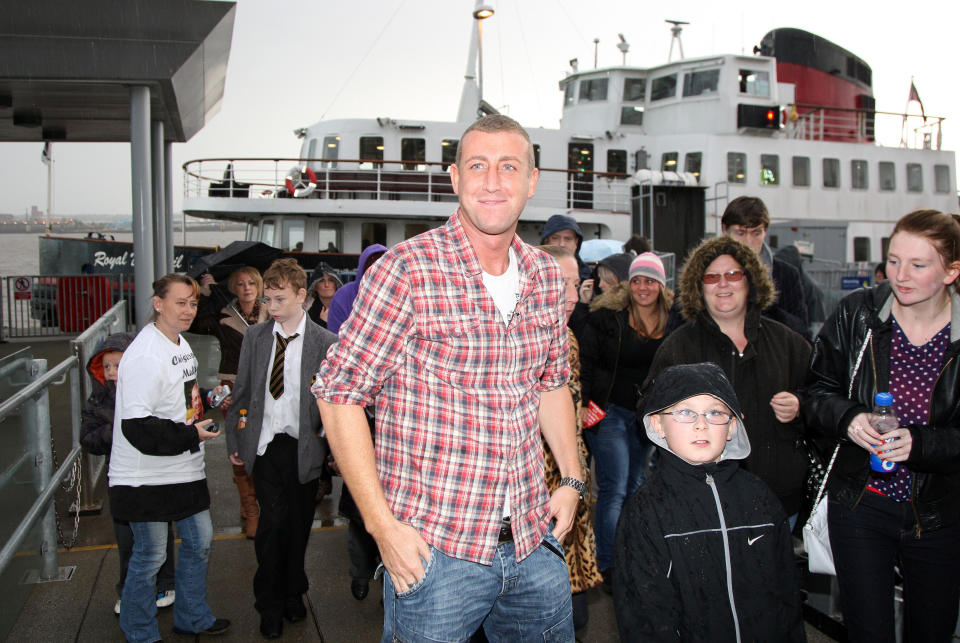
column 27, row 481
column 53, row 305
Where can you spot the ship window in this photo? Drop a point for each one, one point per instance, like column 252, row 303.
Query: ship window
column 941, row 178
column 668, row 162
column 413, row 152
column 884, row 246
column 536, row 155
column 831, row 173
column 448, row 152
column 663, row 87
column 312, row 149
column 371, row 233
column 593, row 89
column 754, row 83
column 736, row 167
column 888, row 177
column 371, row 151
column 331, row 150
column 631, row 115
column 266, row 233
column 253, row 232
column 617, row 161
column 634, row 89
column 858, row 174
column 769, row 169
column 692, row 163
column 914, row 177
column 861, row 248
column 700, row 82
column 329, row 239
column 641, row 159
column 413, row 229
column 569, row 93
column 801, row 171
column 292, row 234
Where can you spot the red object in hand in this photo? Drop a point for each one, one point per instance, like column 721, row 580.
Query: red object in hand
column 594, row 414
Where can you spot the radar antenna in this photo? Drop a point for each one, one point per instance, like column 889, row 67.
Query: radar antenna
column 676, row 30
column 624, row 47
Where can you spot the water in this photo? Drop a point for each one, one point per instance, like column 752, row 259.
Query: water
column 19, row 253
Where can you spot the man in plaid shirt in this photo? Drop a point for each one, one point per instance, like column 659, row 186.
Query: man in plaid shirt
column 458, row 335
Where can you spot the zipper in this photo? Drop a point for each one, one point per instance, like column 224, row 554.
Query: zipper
column 726, row 554
column 616, row 361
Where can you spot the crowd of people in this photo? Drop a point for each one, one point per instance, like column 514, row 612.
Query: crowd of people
column 467, row 385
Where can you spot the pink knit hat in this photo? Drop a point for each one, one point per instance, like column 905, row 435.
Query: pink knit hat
column 649, row 265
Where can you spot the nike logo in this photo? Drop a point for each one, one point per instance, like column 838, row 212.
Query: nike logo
column 750, row 541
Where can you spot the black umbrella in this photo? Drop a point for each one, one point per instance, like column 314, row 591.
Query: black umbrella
column 236, row 255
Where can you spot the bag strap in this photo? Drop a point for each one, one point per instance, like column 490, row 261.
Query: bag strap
column 853, row 375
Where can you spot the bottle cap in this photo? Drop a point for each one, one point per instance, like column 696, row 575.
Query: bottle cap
column 243, row 411
column 883, row 399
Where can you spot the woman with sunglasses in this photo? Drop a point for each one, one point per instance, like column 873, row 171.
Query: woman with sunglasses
column 623, row 331
column 723, row 289
column 903, row 337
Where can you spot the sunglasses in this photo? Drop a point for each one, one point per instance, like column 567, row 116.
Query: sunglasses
column 730, row 275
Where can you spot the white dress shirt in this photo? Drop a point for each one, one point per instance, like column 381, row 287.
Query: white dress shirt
column 283, row 415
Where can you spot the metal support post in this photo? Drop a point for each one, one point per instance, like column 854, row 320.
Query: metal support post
column 157, row 167
column 39, row 409
column 168, row 206
column 142, row 201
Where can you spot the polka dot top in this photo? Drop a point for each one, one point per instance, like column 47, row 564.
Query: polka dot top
column 913, row 372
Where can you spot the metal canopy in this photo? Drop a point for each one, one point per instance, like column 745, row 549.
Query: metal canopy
column 66, row 68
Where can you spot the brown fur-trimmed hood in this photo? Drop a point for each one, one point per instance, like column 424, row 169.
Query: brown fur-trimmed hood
column 762, row 292
column 616, row 298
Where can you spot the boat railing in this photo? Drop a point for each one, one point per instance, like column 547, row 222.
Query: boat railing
column 851, row 125
column 385, row 180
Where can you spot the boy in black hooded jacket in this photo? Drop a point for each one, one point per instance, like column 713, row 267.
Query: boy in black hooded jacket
column 703, row 549
column 96, row 438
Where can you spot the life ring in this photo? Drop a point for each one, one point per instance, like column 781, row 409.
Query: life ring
column 301, row 182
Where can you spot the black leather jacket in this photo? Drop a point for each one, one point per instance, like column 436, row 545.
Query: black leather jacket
column 935, row 454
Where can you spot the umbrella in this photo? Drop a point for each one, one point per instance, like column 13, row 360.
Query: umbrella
column 236, row 255
column 597, row 249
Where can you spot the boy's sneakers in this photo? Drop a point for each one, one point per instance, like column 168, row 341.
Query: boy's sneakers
column 164, row 599
column 116, row 607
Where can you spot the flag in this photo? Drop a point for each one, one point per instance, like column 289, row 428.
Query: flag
column 46, row 153
column 914, row 96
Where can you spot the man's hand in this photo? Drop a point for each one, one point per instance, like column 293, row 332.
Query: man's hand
column 235, row 459
column 563, row 509
column 404, row 553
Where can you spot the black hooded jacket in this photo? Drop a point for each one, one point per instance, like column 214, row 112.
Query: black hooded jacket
column 935, row 454
column 96, row 418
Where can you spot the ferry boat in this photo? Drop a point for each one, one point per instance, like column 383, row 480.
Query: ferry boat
column 654, row 150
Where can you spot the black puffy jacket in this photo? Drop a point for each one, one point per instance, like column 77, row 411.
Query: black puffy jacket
column 935, row 454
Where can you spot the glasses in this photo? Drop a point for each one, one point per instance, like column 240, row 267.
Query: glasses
column 689, row 416
column 730, row 275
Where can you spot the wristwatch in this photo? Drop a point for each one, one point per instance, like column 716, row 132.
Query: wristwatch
column 579, row 485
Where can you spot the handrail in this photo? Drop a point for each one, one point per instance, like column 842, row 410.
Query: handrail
column 16, row 400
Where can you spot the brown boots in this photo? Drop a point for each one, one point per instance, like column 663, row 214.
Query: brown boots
column 249, row 509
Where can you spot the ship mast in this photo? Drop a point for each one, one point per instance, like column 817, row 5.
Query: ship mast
column 472, row 104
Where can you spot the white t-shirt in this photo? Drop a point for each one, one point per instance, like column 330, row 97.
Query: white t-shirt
column 505, row 290
column 156, row 378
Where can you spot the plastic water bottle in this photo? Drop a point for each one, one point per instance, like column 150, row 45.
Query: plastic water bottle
column 215, row 400
column 884, row 420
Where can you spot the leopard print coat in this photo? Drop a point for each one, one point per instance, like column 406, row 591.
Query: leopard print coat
column 580, row 545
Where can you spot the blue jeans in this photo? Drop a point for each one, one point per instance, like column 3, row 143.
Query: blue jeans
column 620, row 456
column 138, row 609
column 514, row 601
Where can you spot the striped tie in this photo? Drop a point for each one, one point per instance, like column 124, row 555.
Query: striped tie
column 276, row 373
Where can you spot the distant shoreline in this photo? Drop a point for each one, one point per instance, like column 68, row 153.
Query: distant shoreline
column 88, row 228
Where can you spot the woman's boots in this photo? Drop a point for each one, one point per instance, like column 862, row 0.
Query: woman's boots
column 249, row 509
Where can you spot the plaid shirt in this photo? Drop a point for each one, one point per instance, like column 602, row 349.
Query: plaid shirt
column 457, row 392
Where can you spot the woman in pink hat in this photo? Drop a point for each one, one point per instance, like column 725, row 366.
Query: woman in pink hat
column 625, row 328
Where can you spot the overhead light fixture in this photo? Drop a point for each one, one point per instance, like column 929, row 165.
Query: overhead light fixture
column 27, row 117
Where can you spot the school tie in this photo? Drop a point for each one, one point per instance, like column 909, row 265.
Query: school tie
column 276, row 373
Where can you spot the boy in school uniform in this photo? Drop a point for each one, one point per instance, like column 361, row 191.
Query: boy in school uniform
column 703, row 548
column 272, row 430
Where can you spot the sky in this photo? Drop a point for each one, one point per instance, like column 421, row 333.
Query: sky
column 294, row 62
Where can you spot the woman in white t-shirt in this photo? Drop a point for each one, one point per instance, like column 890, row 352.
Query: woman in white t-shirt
column 156, row 467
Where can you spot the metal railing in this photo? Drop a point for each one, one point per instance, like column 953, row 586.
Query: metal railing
column 53, row 305
column 384, row 180
column 33, row 401
column 820, row 123
column 84, row 347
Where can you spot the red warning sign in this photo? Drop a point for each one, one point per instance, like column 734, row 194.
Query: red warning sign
column 21, row 288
